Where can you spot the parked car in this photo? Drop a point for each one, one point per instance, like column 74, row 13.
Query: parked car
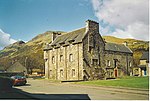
column 19, row 80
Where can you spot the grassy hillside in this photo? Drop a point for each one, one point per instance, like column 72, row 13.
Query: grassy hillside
column 31, row 52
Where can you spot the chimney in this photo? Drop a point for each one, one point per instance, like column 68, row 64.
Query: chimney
column 92, row 26
column 54, row 35
column 125, row 43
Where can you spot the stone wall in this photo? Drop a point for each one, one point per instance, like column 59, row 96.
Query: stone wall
column 123, row 66
column 93, row 50
column 60, row 67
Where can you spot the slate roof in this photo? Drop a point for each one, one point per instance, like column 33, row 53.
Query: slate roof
column 117, row 48
column 145, row 56
column 74, row 37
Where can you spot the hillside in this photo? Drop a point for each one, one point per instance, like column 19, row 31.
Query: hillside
column 132, row 43
column 31, row 52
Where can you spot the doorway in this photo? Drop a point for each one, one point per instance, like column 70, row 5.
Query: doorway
column 116, row 72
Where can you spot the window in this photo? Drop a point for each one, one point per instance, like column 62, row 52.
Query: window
column 94, row 42
column 53, row 59
column 46, row 60
column 61, row 58
column 70, row 57
column 61, row 73
column 108, row 62
column 95, row 62
column 73, row 72
column 130, row 64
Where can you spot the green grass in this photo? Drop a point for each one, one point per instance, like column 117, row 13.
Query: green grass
column 131, row 82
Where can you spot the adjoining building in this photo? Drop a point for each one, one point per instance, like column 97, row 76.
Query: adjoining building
column 143, row 68
column 84, row 55
column 119, row 60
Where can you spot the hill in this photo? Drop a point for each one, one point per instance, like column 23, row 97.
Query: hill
column 30, row 54
column 132, row 43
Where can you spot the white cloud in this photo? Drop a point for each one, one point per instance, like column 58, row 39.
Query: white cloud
column 130, row 18
column 5, row 39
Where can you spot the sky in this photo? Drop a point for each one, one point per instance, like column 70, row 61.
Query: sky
column 24, row 19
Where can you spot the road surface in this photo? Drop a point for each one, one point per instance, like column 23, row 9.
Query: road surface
column 45, row 89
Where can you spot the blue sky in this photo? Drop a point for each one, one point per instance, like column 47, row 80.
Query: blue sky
column 24, row 19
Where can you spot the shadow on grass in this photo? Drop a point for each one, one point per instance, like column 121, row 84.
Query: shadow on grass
column 15, row 93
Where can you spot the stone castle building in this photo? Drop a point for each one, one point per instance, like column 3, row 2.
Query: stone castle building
column 83, row 55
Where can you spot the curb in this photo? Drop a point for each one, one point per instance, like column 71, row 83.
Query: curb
column 117, row 89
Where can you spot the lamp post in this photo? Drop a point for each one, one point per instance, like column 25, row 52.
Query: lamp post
column 26, row 64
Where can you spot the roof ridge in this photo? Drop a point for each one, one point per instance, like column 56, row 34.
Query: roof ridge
column 66, row 33
column 76, row 30
column 115, row 43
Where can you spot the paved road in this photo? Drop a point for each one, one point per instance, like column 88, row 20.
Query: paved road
column 45, row 89
column 12, row 94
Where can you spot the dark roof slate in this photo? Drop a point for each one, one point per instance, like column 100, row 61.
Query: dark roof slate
column 145, row 56
column 117, row 48
column 74, row 37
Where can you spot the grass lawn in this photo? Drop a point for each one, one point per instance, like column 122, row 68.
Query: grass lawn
column 131, row 82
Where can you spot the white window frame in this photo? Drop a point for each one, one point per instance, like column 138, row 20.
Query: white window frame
column 70, row 57
column 61, row 73
column 108, row 63
column 61, row 58
column 53, row 59
column 73, row 72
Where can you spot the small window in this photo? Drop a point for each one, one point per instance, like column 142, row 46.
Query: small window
column 61, row 58
column 70, row 57
column 53, row 59
column 46, row 60
column 108, row 62
column 95, row 62
column 61, row 73
column 73, row 72
column 90, row 49
column 130, row 64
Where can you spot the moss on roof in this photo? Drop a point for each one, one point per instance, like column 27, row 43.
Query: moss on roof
column 117, row 48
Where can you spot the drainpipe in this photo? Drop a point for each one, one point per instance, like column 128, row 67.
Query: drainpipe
column 56, row 64
column 127, row 64
column 65, row 61
column 78, row 61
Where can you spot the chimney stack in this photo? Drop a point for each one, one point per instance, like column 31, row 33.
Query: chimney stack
column 125, row 43
column 54, row 35
column 92, row 26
